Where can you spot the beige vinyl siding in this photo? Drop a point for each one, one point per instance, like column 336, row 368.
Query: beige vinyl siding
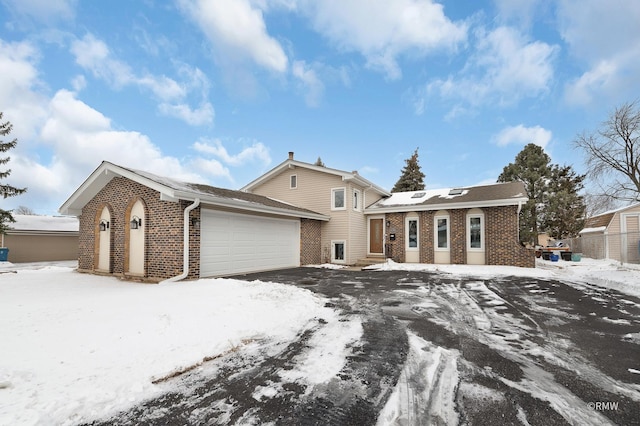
column 313, row 192
column 615, row 229
column 24, row 247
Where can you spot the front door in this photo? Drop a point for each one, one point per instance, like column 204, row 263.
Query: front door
column 376, row 236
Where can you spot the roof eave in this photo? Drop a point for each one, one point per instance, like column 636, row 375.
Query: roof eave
column 293, row 163
column 249, row 206
column 58, row 233
column 445, row 206
column 367, row 184
column 97, row 180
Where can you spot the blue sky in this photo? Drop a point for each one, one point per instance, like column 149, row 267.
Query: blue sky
column 219, row 91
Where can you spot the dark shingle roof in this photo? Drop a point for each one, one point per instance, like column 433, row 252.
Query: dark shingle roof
column 198, row 189
column 510, row 193
column 599, row 221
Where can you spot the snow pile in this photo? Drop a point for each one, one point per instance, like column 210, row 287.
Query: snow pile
column 76, row 347
column 326, row 266
column 436, row 370
column 606, row 273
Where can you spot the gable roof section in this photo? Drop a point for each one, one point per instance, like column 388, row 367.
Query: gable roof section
column 291, row 164
column 602, row 221
column 174, row 190
column 500, row 194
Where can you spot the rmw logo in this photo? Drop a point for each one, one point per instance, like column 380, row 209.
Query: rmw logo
column 604, row 405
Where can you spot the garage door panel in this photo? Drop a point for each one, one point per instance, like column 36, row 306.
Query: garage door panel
column 237, row 243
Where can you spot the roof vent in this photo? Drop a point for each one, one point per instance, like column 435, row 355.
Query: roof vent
column 418, row 195
column 455, row 191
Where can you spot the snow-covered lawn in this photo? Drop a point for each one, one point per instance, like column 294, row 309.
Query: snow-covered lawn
column 76, row 347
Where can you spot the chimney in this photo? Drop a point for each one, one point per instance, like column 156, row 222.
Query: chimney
column 290, row 155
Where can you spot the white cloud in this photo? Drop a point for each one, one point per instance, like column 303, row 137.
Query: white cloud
column 604, row 37
column 95, row 56
column 43, row 10
column 308, row 78
column 521, row 12
column 257, row 152
column 237, row 30
column 212, row 167
column 521, row 135
column 79, row 139
column 20, row 100
column 78, row 83
column 384, row 30
column 196, row 117
column 597, row 80
column 505, row 68
column 83, row 137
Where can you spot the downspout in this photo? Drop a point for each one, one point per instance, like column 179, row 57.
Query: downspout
column 518, row 217
column 185, row 243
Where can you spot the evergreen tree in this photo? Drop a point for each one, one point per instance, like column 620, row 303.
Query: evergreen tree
column 531, row 167
column 412, row 178
column 319, row 162
column 554, row 203
column 5, row 189
column 563, row 216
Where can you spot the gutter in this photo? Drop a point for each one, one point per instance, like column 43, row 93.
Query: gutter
column 405, row 208
column 185, row 257
column 518, row 218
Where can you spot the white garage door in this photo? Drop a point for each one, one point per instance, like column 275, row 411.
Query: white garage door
column 234, row 243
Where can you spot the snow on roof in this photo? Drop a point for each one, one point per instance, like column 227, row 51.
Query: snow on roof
column 45, row 223
column 619, row 209
column 499, row 194
column 596, row 229
column 414, row 197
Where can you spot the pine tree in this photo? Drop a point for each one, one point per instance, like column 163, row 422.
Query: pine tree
column 412, row 178
column 531, row 167
column 563, row 216
column 554, row 203
column 319, row 162
column 5, row 189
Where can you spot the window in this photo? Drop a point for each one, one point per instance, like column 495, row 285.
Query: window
column 293, row 181
column 412, row 240
column 442, row 232
column 356, row 199
column 338, row 251
column 337, row 199
column 475, row 232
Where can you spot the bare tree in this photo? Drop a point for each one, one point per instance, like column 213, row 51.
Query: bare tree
column 598, row 203
column 24, row 210
column 613, row 153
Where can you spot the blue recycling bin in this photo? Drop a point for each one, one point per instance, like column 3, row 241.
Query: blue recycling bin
column 4, row 254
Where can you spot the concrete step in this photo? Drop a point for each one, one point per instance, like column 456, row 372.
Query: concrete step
column 368, row 261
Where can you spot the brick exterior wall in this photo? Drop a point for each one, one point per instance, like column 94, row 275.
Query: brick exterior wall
column 310, row 242
column 500, row 232
column 395, row 249
column 503, row 247
column 458, row 236
column 426, row 237
column 163, row 225
column 163, row 231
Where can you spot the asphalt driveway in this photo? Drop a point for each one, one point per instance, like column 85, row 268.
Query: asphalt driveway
column 434, row 349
